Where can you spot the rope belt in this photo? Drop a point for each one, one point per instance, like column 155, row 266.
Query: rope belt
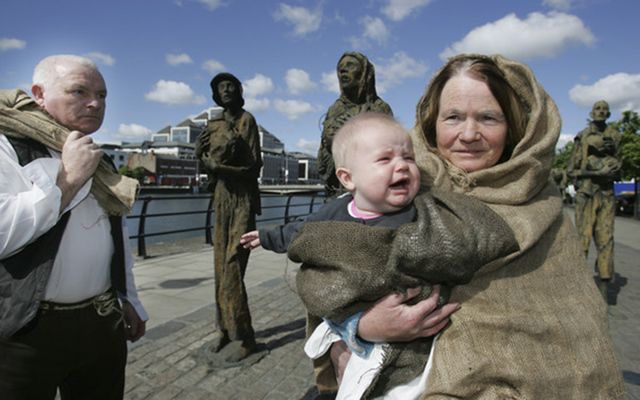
column 104, row 304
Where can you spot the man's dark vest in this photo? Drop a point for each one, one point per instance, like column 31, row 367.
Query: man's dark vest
column 30, row 267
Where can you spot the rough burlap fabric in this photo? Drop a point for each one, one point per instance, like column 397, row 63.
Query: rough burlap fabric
column 347, row 265
column 533, row 325
column 21, row 117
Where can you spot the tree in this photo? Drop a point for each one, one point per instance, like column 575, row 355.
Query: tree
column 136, row 173
column 562, row 157
column 629, row 126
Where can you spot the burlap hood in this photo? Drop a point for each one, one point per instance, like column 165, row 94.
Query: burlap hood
column 532, row 325
column 523, row 180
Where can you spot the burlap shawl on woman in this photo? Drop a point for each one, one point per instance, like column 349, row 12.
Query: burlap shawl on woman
column 21, row 117
column 532, row 326
column 347, row 266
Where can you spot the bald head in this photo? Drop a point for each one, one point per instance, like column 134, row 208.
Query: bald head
column 50, row 68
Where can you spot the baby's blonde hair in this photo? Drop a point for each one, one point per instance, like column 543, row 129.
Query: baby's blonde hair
column 346, row 139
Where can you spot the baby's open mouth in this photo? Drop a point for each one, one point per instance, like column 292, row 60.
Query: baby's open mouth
column 399, row 184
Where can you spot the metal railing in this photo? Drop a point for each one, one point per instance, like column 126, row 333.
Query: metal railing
column 144, row 215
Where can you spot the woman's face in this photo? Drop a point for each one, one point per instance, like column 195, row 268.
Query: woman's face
column 471, row 130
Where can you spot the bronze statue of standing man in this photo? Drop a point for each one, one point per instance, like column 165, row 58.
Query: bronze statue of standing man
column 229, row 149
column 595, row 164
column 356, row 76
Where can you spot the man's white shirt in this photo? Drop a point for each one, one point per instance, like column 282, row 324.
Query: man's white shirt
column 29, row 207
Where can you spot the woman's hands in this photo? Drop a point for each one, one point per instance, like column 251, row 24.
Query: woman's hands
column 391, row 320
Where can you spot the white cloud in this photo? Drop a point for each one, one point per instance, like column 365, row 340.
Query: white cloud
column 177, row 59
column 358, row 43
column 173, row 93
column 134, row 131
column 259, row 85
column 308, row 146
column 103, row 58
column 562, row 5
column 12, row 44
column 375, row 29
column 211, row 4
column 539, row 35
column 394, row 70
column 212, row 66
column 303, row 20
column 330, row 82
column 298, row 81
column 397, row 10
column 293, row 109
column 564, row 139
column 255, row 104
column 621, row 91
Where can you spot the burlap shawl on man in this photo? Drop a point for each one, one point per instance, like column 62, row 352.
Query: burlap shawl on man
column 20, row 116
column 533, row 325
column 347, row 266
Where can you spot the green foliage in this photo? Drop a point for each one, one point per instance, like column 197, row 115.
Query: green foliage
column 563, row 156
column 629, row 126
column 136, row 173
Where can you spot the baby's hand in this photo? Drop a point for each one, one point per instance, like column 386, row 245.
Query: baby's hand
column 250, row 240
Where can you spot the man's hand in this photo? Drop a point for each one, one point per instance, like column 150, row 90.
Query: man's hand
column 250, row 240
column 80, row 158
column 133, row 325
column 391, row 320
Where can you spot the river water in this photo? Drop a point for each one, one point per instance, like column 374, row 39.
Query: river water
column 273, row 209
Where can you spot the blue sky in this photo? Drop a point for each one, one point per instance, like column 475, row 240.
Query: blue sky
column 159, row 56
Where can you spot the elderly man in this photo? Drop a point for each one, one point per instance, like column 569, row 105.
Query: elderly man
column 595, row 163
column 68, row 301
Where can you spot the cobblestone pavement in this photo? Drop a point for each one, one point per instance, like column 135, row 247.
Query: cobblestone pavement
column 168, row 362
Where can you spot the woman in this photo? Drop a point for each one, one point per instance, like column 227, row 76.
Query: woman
column 532, row 325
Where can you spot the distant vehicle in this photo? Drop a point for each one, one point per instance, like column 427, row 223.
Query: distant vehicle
column 625, row 202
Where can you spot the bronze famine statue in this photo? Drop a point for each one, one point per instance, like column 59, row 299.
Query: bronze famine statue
column 356, row 76
column 594, row 165
column 229, row 149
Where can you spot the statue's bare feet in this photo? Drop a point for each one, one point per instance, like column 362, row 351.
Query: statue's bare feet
column 237, row 350
column 220, row 339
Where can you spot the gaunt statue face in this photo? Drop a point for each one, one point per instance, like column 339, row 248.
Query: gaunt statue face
column 228, row 93
column 600, row 111
column 349, row 73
